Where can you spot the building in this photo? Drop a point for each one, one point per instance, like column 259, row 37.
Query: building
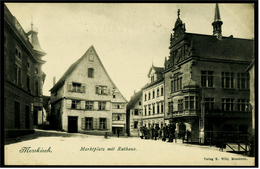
column 153, row 98
column 86, row 100
column 251, row 70
column 206, row 87
column 23, row 77
column 134, row 112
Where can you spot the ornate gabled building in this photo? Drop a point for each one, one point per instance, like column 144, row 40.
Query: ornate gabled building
column 23, row 77
column 206, row 87
column 86, row 100
column 153, row 98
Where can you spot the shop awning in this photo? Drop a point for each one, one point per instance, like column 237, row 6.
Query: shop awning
column 118, row 125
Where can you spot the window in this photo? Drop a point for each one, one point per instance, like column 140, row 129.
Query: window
column 145, row 97
column 145, row 111
column 149, row 96
column 118, row 105
column 153, row 109
column 118, row 117
column 75, row 104
column 176, row 84
column 162, row 91
column 243, row 105
column 140, row 103
column 243, row 80
column 28, row 65
column 17, row 114
column 102, row 123
column 152, row 79
column 153, row 94
column 191, row 102
column 17, row 74
column 209, row 104
column 149, row 109
column 161, row 107
column 158, row 92
column 114, row 96
column 135, row 124
column 91, row 72
column 91, row 57
column 227, row 80
column 136, row 112
column 36, row 87
column 102, row 90
column 207, row 78
column 158, row 108
column 18, row 53
column 89, row 105
column 170, row 107
column 228, row 104
column 180, row 105
column 36, row 71
column 28, row 86
column 88, row 123
column 101, row 105
column 76, row 87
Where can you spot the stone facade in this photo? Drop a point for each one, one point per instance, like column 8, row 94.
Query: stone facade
column 86, row 100
column 206, row 87
column 23, row 78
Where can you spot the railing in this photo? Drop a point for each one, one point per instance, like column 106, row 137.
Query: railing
column 236, row 141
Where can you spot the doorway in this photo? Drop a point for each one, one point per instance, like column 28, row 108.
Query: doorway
column 72, row 124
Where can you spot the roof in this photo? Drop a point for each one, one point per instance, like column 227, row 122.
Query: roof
column 153, row 83
column 61, row 81
column 134, row 99
column 157, row 69
column 35, row 42
column 251, row 65
column 228, row 48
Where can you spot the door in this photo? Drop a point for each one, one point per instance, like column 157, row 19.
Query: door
column 72, row 124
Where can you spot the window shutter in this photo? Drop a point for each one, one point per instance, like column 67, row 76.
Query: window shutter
column 108, row 105
column 97, row 87
column 78, row 104
column 94, row 123
column 83, row 123
column 108, row 91
column 82, row 104
column 68, row 104
column 114, row 117
column 95, row 106
column 123, row 116
column 83, row 88
column 99, row 90
column 97, row 123
column 69, row 87
column 108, row 124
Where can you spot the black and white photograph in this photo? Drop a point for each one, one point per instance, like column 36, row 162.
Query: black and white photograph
column 129, row 84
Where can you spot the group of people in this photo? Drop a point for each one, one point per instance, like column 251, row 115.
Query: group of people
column 155, row 132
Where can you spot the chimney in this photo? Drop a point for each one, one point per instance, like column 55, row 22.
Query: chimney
column 54, row 80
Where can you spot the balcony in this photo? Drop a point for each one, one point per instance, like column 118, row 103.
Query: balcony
column 184, row 113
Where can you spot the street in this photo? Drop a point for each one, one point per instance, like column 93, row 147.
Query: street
column 60, row 148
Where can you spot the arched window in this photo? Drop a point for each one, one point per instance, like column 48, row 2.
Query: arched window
column 90, row 72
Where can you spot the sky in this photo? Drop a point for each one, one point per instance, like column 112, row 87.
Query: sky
column 128, row 38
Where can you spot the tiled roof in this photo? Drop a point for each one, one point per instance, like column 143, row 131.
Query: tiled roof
column 228, row 48
column 60, row 83
column 134, row 99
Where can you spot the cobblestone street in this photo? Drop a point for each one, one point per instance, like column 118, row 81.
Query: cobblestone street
column 60, row 148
